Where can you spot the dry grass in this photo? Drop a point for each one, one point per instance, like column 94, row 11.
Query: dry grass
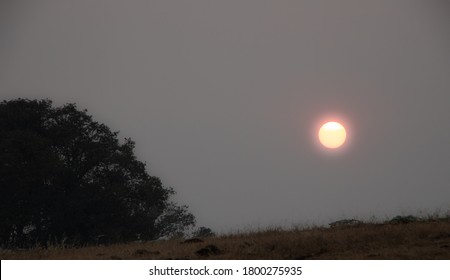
column 418, row 240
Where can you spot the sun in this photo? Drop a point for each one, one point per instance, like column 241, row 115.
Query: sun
column 332, row 135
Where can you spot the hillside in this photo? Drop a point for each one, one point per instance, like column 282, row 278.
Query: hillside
column 428, row 239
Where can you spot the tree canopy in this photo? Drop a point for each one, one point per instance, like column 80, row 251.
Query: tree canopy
column 66, row 178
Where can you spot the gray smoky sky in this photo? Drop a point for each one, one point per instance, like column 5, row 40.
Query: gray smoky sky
column 224, row 98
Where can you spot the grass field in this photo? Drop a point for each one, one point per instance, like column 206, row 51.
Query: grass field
column 426, row 239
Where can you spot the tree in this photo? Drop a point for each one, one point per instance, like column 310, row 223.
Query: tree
column 67, row 178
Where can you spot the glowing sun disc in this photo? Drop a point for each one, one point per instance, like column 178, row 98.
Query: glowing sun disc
column 332, row 135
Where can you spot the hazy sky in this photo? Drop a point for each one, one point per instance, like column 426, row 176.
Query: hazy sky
column 224, row 98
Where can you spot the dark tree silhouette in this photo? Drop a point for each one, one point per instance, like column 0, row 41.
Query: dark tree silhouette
column 67, row 178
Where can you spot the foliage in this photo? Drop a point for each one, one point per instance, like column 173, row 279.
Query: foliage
column 345, row 222
column 203, row 232
column 403, row 219
column 67, row 178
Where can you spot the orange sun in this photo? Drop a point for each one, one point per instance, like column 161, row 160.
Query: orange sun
column 332, row 135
